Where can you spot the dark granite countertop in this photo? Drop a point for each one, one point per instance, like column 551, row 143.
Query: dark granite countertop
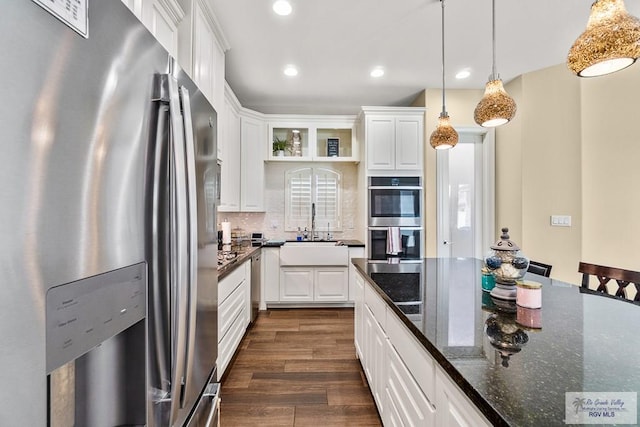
column 586, row 343
column 243, row 253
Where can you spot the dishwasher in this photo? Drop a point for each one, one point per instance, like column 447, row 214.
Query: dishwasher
column 255, row 284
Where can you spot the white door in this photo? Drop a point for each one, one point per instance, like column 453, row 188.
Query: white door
column 466, row 188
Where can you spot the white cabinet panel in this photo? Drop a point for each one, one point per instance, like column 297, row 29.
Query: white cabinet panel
column 354, row 252
column 331, row 284
column 203, row 47
column 271, row 275
column 230, row 159
column 415, row 357
column 394, row 138
column 380, row 146
column 252, row 133
column 454, row 408
column 358, row 305
column 162, row 19
column 409, row 141
column 404, row 394
column 296, row 284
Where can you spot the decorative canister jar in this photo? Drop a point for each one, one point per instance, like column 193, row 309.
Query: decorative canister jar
column 488, row 282
column 507, row 265
column 529, row 294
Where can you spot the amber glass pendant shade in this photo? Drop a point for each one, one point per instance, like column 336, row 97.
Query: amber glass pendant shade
column 496, row 106
column 445, row 136
column 610, row 43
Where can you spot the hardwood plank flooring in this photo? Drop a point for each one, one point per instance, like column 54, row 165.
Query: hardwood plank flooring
column 297, row 367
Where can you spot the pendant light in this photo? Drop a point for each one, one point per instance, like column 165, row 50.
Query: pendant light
column 610, row 43
column 496, row 106
column 445, row 136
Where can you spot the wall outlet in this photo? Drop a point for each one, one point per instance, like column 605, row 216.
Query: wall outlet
column 349, row 224
column 561, row 220
column 274, row 224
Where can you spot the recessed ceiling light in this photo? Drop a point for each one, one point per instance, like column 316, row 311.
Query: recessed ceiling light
column 463, row 74
column 377, row 72
column 282, row 7
column 290, row 70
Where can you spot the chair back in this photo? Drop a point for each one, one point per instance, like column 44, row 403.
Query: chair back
column 539, row 268
column 622, row 278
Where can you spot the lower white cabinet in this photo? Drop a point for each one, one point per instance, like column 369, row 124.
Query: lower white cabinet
column 404, row 398
column 296, row 284
column 408, row 386
column 454, row 408
column 233, row 313
column 309, row 284
column 358, row 311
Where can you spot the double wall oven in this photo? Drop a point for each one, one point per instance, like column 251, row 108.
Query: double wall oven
column 395, row 217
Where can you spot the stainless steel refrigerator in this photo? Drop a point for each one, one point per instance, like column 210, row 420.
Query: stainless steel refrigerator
column 108, row 300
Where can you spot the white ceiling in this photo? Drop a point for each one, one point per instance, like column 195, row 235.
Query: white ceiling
column 336, row 43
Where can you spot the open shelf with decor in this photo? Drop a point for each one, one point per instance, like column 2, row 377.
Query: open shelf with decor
column 312, row 138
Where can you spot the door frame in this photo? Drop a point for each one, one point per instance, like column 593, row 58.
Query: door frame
column 488, row 191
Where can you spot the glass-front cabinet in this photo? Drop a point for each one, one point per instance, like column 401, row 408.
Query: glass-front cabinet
column 313, row 138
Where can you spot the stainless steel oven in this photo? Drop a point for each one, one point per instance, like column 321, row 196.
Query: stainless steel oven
column 395, row 201
column 409, row 243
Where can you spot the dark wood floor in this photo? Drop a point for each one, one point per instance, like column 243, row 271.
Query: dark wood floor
column 298, row 368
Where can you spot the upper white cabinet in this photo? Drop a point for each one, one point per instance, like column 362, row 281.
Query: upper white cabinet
column 208, row 55
column 162, row 18
column 313, row 138
column 229, row 154
column 393, row 138
column 242, row 156
column 252, row 131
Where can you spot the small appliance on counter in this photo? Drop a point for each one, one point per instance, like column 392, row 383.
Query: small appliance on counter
column 257, row 238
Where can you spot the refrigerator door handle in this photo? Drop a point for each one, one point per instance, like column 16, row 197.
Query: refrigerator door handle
column 192, row 297
column 179, row 259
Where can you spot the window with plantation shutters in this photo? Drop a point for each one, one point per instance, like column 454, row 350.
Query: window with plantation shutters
column 313, row 185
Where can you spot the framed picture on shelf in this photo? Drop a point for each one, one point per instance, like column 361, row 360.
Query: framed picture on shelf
column 333, row 147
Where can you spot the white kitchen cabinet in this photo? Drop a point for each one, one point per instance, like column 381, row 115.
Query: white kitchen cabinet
column 296, row 284
column 233, row 315
column 394, row 138
column 354, row 252
column 404, row 398
column 270, row 276
column 313, row 284
column 315, row 135
column 374, row 362
column 331, row 284
column 358, row 306
column 229, row 155
column 208, row 55
column 454, row 408
column 162, row 18
column 252, row 155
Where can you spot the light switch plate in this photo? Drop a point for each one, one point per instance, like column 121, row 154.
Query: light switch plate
column 561, row 220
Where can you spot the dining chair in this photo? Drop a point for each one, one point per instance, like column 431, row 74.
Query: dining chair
column 539, row 268
column 623, row 278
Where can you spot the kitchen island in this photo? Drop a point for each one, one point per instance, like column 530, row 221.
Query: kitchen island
column 510, row 373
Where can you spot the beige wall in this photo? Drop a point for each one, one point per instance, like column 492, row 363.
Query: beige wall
column 543, row 143
column 611, row 169
column 572, row 149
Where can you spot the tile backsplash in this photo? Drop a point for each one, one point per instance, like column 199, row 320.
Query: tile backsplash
column 271, row 222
